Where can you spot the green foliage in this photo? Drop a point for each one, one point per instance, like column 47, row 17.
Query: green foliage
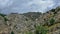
column 58, row 8
column 28, row 32
column 41, row 29
column 52, row 21
column 52, row 10
column 12, row 32
column 26, row 19
column 5, row 19
column 2, row 15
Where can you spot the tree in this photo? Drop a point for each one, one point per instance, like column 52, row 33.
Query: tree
column 12, row 32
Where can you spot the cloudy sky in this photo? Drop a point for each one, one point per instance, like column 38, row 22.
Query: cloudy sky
column 22, row 6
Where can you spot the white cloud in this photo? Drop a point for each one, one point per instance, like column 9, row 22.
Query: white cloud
column 40, row 5
column 5, row 3
column 29, row 5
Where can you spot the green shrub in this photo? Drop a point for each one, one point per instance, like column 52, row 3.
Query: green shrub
column 2, row 15
column 52, row 10
column 12, row 32
column 26, row 19
column 41, row 29
column 28, row 32
column 52, row 21
column 5, row 19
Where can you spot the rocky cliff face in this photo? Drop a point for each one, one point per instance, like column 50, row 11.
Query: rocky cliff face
column 46, row 23
column 19, row 24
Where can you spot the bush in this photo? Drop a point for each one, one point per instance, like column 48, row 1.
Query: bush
column 5, row 19
column 52, row 10
column 41, row 29
column 52, row 21
column 28, row 32
column 2, row 15
column 12, row 32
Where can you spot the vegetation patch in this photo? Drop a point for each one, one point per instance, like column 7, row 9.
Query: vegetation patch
column 51, row 21
column 12, row 32
column 41, row 29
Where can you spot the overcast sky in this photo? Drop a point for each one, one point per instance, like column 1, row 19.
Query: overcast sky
column 22, row 6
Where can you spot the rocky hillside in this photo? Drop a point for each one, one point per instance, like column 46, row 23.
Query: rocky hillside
column 31, row 23
column 32, row 15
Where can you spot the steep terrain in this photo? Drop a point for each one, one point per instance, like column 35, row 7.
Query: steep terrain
column 31, row 23
column 32, row 15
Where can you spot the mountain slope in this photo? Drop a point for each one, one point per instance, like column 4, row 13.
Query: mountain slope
column 31, row 23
